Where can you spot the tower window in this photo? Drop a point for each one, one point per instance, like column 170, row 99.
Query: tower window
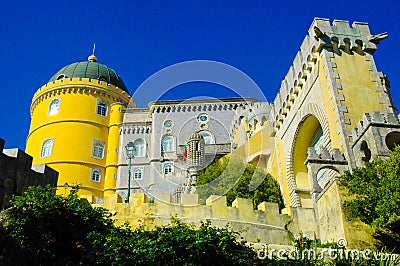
column 98, row 149
column 167, row 168
column 139, row 148
column 102, row 107
column 95, row 175
column 47, row 148
column 167, row 143
column 54, row 106
column 137, row 173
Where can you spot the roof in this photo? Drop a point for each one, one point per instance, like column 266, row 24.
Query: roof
column 90, row 69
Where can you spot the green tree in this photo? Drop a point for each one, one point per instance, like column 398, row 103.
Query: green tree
column 234, row 179
column 179, row 244
column 375, row 191
column 374, row 196
column 51, row 229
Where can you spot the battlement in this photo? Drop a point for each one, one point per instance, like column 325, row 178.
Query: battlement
column 253, row 113
column 322, row 34
column 358, row 36
column 377, row 119
column 136, row 128
column 264, row 225
column 198, row 105
column 325, row 156
column 80, row 85
column 17, row 173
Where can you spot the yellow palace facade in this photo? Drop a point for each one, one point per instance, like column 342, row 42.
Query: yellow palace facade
column 332, row 113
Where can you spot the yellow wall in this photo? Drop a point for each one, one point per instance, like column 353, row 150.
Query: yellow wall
column 329, row 104
column 281, row 167
column 265, row 225
column 116, row 116
column 74, row 128
column 359, row 91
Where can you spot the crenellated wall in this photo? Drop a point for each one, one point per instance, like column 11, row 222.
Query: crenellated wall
column 264, row 225
column 80, row 85
column 322, row 36
column 375, row 136
column 17, row 173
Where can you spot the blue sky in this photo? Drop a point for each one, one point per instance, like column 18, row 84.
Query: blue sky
column 139, row 38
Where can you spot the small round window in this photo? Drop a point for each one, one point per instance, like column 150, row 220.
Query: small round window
column 168, row 123
column 203, row 118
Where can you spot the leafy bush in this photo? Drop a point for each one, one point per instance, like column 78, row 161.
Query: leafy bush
column 234, row 179
column 47, row 229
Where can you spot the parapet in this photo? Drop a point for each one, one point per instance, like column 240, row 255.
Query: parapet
column 325, row 156
column 265, row 224
column 375, row 119
column 168, row 106
column 80, row 85
column 17, row 173
column 254, row 113
column 322, row 34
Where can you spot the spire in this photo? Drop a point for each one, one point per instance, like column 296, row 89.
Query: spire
column 92, row 57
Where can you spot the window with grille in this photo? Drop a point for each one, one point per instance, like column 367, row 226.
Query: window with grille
column 96, row 175
column 98, row 149
column 54, row 106
column 47, row 148
column 139, row 148
column 102, row 108
column 167, row 143
column 137, row 173
column 167, row 168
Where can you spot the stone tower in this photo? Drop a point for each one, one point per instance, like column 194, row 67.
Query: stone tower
column 195, row 160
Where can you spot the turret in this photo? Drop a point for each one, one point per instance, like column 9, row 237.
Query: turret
column 74, row 126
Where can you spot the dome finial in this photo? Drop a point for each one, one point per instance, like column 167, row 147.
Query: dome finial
column 92, row 57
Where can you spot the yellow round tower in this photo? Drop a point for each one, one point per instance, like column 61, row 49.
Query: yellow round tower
column 75, row 126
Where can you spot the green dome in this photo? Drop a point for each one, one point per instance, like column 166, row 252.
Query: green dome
column 90, row 69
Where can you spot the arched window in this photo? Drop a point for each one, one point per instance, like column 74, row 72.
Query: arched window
column 167, row 143
column 317, row 140
column 96, row 175
column 137, row 173
column 167, row 168
column 54, row 106
column 47, row 148
column 139, row 148
column 98, row 149
column 102, row 107
column 208, row 138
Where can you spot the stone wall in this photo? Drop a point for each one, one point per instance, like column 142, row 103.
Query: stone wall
column 264, row 225
column 17, row 173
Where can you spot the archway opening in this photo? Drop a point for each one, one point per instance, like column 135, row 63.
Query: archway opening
column 365, row 152
column 309, row 134
column 392, row 140
column 325, row 174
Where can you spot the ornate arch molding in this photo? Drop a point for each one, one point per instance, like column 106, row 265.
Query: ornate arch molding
column 310, row 109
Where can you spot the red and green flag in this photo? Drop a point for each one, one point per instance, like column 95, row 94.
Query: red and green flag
column 184, row 153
